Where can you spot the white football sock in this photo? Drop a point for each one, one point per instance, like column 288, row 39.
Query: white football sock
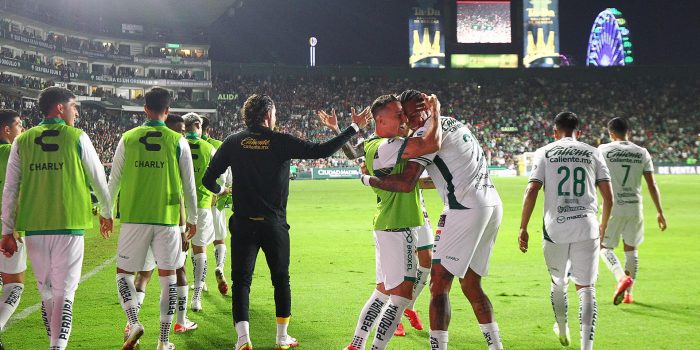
column 587, row 314
column 631, row 266
column 243, row 333
column 368, row 316
column 612, row 262
column 282, row 330
column 438, row 340
column 61, row 321
column 128, row 297
column 168, row 304
column 492, row 335
column 220, row 255
column 140, row 296
column 560, row 305
column 200, row 274
column 46, row 312
column 391, row 316
column 421, row 280
column 182, row 292
column 11, row 295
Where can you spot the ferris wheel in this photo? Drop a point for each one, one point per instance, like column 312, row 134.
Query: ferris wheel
column 609, row 43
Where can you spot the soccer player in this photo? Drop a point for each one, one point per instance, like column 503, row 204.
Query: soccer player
column 569, row 171
column 49, row 172
column 218, row 215
column 202, row 153
column 469, row 223
column 424, row 234
column 395, row 224
column 260, row 205
column 11, row 269
column 152, row 166
column 182, row 323
column 628, row 163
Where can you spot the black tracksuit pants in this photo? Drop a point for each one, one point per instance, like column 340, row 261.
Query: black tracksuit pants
column 248, row 235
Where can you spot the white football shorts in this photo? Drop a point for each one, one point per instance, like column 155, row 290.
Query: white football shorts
column 630, row 228
column 205, row 228
column 396, row 259
column 465, row 239
column 136, row 239
column 578, row 260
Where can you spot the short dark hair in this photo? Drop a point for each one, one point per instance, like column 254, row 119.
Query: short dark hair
column 619, row 126
column 410, row 95
column 158, row 100
column 566, row 121
column 51, row 96
column 381, row 102
column 255, row 108
column 173, row 119
column 7, row 116
column 205, row 122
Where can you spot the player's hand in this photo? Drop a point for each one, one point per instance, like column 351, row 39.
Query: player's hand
column 433, row 105
column 191, row 230
column 329, row 120
column 363, row 168
column 227, row 191
column 8, row 245
column 523, row 240
column 361, row 119
column 185, row 241
column 662, row 221
column 106, row 226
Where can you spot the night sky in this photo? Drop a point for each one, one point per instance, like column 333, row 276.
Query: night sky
column 375, row 32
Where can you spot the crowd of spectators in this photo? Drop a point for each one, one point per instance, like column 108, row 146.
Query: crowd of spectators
column 77, row 43
column 508, row 118
column 24, row 81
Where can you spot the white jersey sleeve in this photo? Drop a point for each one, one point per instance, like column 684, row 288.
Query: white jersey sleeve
column 388, row 155
column 95, row 172
column 648, row 164
column 13, row 177
column 538, row 167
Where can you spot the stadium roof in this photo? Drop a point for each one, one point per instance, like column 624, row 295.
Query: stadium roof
column 176, row 12
column 166, row 13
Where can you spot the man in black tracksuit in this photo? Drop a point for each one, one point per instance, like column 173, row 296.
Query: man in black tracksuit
column 259, row 159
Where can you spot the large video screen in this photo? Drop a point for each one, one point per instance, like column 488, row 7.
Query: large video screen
column 483, row 22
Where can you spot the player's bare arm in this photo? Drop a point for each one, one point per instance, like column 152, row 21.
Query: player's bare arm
column 404, row 182
column 330, row 120
column 529, row 200
column 430, row 141
column 8, row 245
column 426, row 183
column 606, row 192
column 656, row 198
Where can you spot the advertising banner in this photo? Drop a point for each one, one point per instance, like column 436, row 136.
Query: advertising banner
column 426, row 40
column 335, row 173
column 541, row 33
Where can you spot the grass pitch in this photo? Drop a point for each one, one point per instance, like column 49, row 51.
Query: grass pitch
column 332, row 275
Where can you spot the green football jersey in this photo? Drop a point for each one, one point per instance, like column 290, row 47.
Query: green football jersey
column 201, row 157
column 221, row 201
column 54, row 191
column 395, row 210
column 214, row 142
column 151, row 186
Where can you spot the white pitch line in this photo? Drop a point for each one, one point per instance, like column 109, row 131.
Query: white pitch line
column 36, row 307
